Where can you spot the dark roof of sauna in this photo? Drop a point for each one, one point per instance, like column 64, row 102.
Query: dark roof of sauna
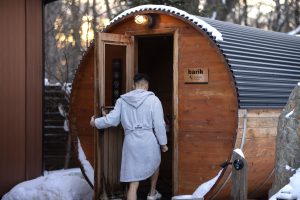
column 265, row 64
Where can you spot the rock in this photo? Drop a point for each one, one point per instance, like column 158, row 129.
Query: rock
column 287, row 142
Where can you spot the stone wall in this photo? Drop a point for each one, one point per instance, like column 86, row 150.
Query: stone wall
column 287, row 142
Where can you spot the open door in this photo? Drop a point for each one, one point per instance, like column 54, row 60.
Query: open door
column 114, row 72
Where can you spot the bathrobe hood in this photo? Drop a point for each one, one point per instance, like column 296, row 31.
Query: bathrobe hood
column 136, row 97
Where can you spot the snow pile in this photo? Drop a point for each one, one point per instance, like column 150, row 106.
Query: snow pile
column 67, row 87
column 57, row 185
column 295, row 31
column 239, row 151
column 178, row 12
column 66, row 125
column 61, row 110
column 291, row 190
column 289, row 168
column 205, row 187
column 86, row 165
column 202, row 190
column 289, row 114
column 46, row 82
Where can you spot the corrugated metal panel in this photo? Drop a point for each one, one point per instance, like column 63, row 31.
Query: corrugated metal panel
column 265, row 64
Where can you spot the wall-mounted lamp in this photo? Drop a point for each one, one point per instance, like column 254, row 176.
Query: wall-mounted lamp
column 145, row 20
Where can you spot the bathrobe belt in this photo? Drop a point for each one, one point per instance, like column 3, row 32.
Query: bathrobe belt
column 138, row 128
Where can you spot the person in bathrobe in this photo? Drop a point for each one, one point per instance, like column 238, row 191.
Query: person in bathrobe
column 141, row 115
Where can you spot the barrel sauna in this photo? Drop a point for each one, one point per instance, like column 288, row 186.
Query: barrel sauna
column 222, row 87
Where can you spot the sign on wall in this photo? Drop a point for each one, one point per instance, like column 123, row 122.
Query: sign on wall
column 196, row 75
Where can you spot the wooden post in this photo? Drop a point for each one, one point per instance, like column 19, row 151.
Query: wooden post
column 239, row 176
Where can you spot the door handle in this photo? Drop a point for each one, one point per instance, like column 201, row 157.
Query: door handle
column 106, row 109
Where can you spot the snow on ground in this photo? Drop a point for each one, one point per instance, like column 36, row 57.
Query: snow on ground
column 54, row 185
column 87, row 167
column 289, row 114
column 46, row 81
column 205, row 187
column 201, row 191
column 240, row 152
column 295, row 31
column 67, row 87
column 291, row 190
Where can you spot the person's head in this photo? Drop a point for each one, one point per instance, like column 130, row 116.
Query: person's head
column 141, row 81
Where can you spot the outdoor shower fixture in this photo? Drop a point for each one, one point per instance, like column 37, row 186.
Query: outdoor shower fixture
column 237, row 164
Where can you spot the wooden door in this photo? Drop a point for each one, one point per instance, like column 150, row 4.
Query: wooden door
column 114, row 72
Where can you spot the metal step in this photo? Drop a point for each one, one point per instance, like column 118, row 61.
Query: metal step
column 55, row 138
column 53, row 122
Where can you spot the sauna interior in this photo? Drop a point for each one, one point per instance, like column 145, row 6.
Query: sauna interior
column 155, row 58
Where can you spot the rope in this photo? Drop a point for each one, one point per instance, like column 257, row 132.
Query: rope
column 245, row 130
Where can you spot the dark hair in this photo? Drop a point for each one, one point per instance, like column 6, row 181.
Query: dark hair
column 140, row 76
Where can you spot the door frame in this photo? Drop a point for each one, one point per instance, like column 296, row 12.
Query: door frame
column 175, row 33
column 99, row 98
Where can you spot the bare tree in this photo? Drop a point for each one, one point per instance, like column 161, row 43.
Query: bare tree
column 108, row 10
column 219, row 8
column 297, row 10
column 245, row 12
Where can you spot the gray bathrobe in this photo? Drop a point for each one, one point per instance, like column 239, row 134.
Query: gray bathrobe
column 141, row 115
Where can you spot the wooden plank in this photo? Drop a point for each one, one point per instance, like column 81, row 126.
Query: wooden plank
column 130, row 68
column 175, row 112
column 262, row 122
column 208, row 101
column 98, row 168
column 12, row 87
column 105, row 144
column 34, row 91
column 260, row 113
column 154, row 31
column 258, row 132
column 239, row 190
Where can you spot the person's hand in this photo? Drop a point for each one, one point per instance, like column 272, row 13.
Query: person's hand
column 164, row 148
column 104, row 112
column 92, row 122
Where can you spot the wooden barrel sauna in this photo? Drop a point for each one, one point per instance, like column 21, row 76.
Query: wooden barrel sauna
column 222, row 87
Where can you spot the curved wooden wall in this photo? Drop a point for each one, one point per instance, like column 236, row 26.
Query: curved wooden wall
column 208, row 113
column 82, row 105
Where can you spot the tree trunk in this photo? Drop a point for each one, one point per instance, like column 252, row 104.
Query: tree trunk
column 275, row 25
column 286, row 16
column 222, row 10
column 192, row 7
column 245, row 13
column 95, row 15
column 297, row 10
column 108, row 11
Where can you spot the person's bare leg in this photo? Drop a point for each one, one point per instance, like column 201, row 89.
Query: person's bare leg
column 132, row 192
column 154, row 178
